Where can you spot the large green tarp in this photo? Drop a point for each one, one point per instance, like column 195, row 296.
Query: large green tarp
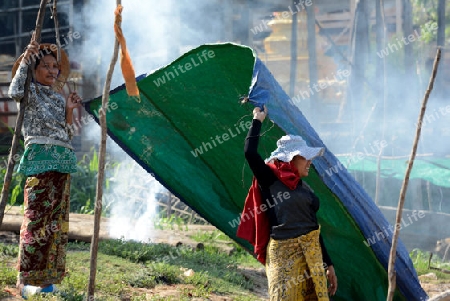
column 188, row 130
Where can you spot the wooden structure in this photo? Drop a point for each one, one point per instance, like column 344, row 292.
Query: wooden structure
column 249, row 25
column 169, row 205
column 17, row 22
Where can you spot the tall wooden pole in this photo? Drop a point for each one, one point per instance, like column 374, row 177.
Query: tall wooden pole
column 407, row 27
column 312, row 55
column 293, row 68
column 410, row 80
column 101, row 167
column 19, row 120
column 380, row 38
column 359, row 50
column 381, row 84
column 401, row 202
column 441, row 84
column 55, row 18
column 441, row 24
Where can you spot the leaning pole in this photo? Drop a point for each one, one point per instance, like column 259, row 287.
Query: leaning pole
column 19, row 120
column 101, row 161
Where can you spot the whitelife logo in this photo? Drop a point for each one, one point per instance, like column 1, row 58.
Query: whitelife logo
column 262, row 208
column 183, row 68
column 376, row 149
column 406, row 40
column 243, row 127
column 381, row 234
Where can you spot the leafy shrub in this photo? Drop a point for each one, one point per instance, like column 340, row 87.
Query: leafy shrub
column 8, row 275
column 84, row 183
column 9, row 250
column 16, row 186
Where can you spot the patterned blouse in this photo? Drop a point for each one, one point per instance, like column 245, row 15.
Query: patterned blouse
column 46, row 133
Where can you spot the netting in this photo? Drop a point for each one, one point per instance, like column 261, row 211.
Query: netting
column 433, row 170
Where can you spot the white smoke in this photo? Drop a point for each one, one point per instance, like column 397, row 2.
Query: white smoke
column 146, row 27
column 132, row 198
column 152, row 31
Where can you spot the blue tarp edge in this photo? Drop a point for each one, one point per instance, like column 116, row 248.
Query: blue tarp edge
column 266, row 90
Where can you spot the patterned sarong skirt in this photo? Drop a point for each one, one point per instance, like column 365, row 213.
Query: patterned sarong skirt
column 295, row 269
column 45, row 227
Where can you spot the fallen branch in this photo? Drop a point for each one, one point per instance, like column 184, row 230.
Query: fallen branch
column 436, row 269
column 445, row 296
column 440, row 270
column 392, row 255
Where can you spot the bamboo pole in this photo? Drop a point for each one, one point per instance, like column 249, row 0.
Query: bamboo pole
column 101, row 168
column 19, row 120
column 392, row 255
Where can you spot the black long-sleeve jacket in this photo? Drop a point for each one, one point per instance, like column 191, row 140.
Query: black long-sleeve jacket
column 292, row 213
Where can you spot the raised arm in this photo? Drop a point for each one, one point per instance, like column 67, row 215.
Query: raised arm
column 260, row 170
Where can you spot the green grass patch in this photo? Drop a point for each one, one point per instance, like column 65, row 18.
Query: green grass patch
column 216, row 237
column 125, row 269
column 210, row 236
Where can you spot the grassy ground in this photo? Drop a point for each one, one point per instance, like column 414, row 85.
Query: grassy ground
column 135, row 271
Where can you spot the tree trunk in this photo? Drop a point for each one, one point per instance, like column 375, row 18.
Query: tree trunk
column 359, row 50
column 293, row 69
column 407, row 31
column 441, row 23
column 379, row 29
column 410, row 79
column 312, row 62
column 441, row 84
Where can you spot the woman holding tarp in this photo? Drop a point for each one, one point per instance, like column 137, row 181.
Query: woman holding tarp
column 283, row 228
column 47, row 162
